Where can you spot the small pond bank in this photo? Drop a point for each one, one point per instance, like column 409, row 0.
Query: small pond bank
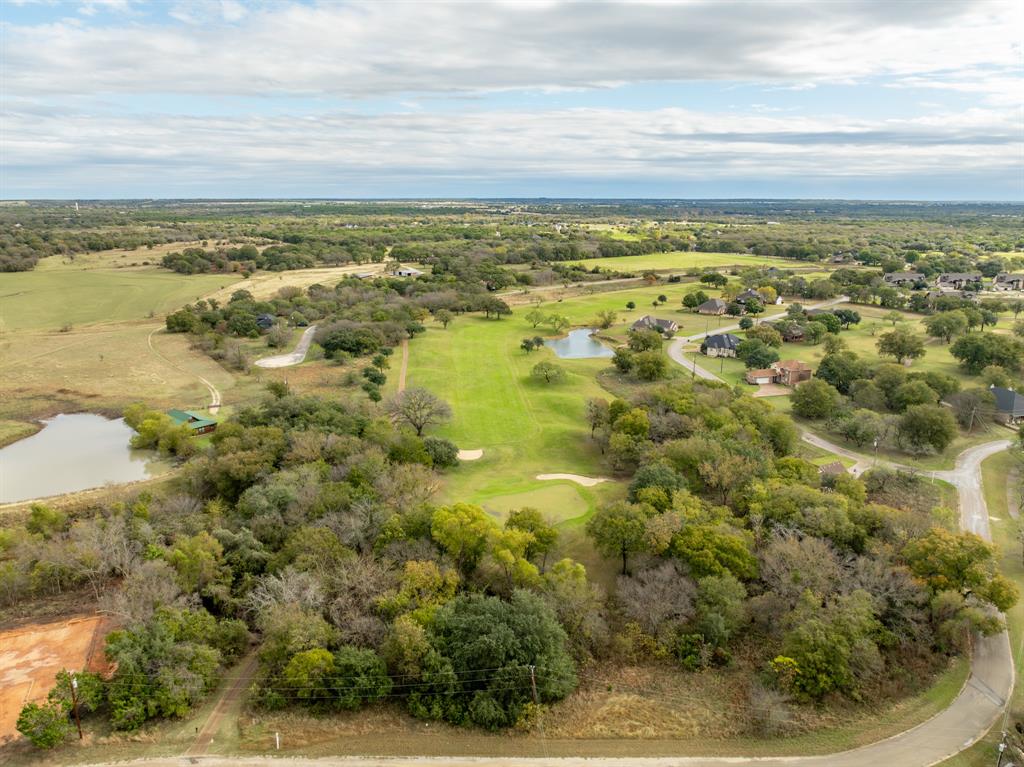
column 579, row 344
column 70, row 453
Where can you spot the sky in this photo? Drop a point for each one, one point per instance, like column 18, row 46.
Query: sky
column 897, row 99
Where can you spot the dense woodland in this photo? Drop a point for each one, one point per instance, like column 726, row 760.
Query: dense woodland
column 303, row 233
column 309, row 528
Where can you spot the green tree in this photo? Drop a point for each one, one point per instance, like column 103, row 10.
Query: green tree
column 901, row 344
column 308, row 679
column 960, row 562
column 814, row 399
column 558, row 322
column 463, row 531
column 545, row 536
column 924, row 427
column 46, row 726
column 945, row 325
column 756, row 354
column 445, row 317
column 548, row 372
column 650, row 365
column 536, row 317
column 619, row 530
column 475, row 632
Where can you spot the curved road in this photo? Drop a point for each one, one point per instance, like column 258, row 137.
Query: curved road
column 967, row 719
column 293, row 357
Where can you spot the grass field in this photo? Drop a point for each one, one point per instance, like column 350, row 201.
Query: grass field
column 681, row 260
column 104, row 367
column 48, row 299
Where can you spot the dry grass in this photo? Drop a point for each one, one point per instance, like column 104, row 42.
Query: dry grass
column 103, row 368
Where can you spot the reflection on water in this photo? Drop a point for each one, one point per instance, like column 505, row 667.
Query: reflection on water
column 73, row 452
column 579, row 344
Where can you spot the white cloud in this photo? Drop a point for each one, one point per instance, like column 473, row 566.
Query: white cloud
column 374, row 48
column 659, row 145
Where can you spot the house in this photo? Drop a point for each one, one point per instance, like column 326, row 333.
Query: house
column 1009, row 405
column 904, row 279
column 265, row 321
column 647, row 322
column 1007, row 281
column 713, row 306
column 791, row 372
column 747, row 296
column 407, row 271
column 197, row 424
column 720, row 345
column 957, row 280
column 791, row 332
column 761, row 376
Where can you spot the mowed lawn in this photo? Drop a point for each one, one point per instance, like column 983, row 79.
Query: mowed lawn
column 48, row 299
column 682, row 260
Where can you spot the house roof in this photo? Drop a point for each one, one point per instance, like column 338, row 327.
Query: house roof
column 647, row 321
column 191, row 419
column 761, row 373
column 1008, row 277
column 951, row 276
column 722, row 341
column 791, row 365
column 713, row 303
column 1008, row 401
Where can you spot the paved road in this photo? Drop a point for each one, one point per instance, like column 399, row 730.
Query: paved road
column 988, row 688
column 293, row 357
column 676, row 345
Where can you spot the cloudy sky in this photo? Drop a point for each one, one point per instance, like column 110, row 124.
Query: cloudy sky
column 222, row 98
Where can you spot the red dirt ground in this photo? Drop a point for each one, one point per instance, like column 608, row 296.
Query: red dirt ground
column 30, row 657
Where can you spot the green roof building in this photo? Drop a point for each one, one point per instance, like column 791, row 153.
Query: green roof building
column 198, row 424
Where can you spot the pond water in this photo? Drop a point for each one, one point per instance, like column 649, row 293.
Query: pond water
column 70, row 453
column 579, row 344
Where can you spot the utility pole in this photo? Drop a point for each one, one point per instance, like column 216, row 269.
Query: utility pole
column 533, row 683
column 74, row 704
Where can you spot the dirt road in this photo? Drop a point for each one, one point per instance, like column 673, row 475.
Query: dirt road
column 214, row 405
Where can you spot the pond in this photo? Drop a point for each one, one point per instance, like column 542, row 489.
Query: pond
column 579, row 344
column 70, row 453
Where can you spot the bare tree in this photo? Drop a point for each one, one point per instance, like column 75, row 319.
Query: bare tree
column 657, row 598
column 419, row 408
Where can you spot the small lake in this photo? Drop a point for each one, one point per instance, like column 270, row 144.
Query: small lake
column 70, row 453
column 579, row 344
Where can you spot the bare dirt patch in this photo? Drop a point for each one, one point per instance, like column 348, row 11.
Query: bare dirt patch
column 30, row 657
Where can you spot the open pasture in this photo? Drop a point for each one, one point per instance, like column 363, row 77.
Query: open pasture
column 102, row 368
column 49, row 299
column 681, row 261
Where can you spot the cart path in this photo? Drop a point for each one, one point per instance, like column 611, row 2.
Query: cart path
column 214, row 405
column 242, row 674
column 293, row 357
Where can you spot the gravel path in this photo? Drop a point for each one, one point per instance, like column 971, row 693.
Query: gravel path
column 293, row 357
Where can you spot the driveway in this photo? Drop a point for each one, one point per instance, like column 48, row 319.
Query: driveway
column 293, row 357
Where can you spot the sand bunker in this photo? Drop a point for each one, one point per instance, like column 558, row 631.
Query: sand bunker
column 577, row 478
column 470, row 455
